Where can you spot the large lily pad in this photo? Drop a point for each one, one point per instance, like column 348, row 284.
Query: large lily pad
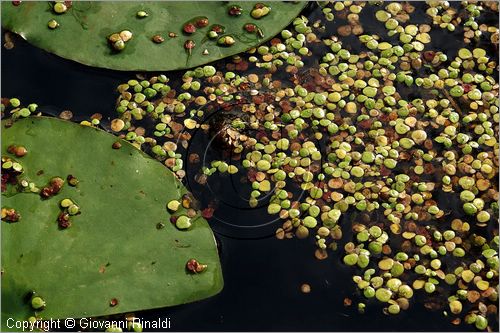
column 114, row 249
column 84, row 28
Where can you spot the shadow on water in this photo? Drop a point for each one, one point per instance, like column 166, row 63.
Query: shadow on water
column 262, row 274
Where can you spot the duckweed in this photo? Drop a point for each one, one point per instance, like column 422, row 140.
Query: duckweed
column 383, row 295
column 183, row 222
column 362, row 152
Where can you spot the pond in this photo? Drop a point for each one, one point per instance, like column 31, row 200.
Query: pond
column 282, row 271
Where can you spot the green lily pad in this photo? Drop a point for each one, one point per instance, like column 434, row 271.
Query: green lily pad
column 85, row 27
column 122, row 246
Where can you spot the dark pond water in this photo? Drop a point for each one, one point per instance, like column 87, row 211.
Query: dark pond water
column 262, row 274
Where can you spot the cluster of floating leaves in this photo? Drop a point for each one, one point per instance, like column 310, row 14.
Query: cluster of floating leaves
column 394, row 136
column 447, row 17
column 345, row 132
